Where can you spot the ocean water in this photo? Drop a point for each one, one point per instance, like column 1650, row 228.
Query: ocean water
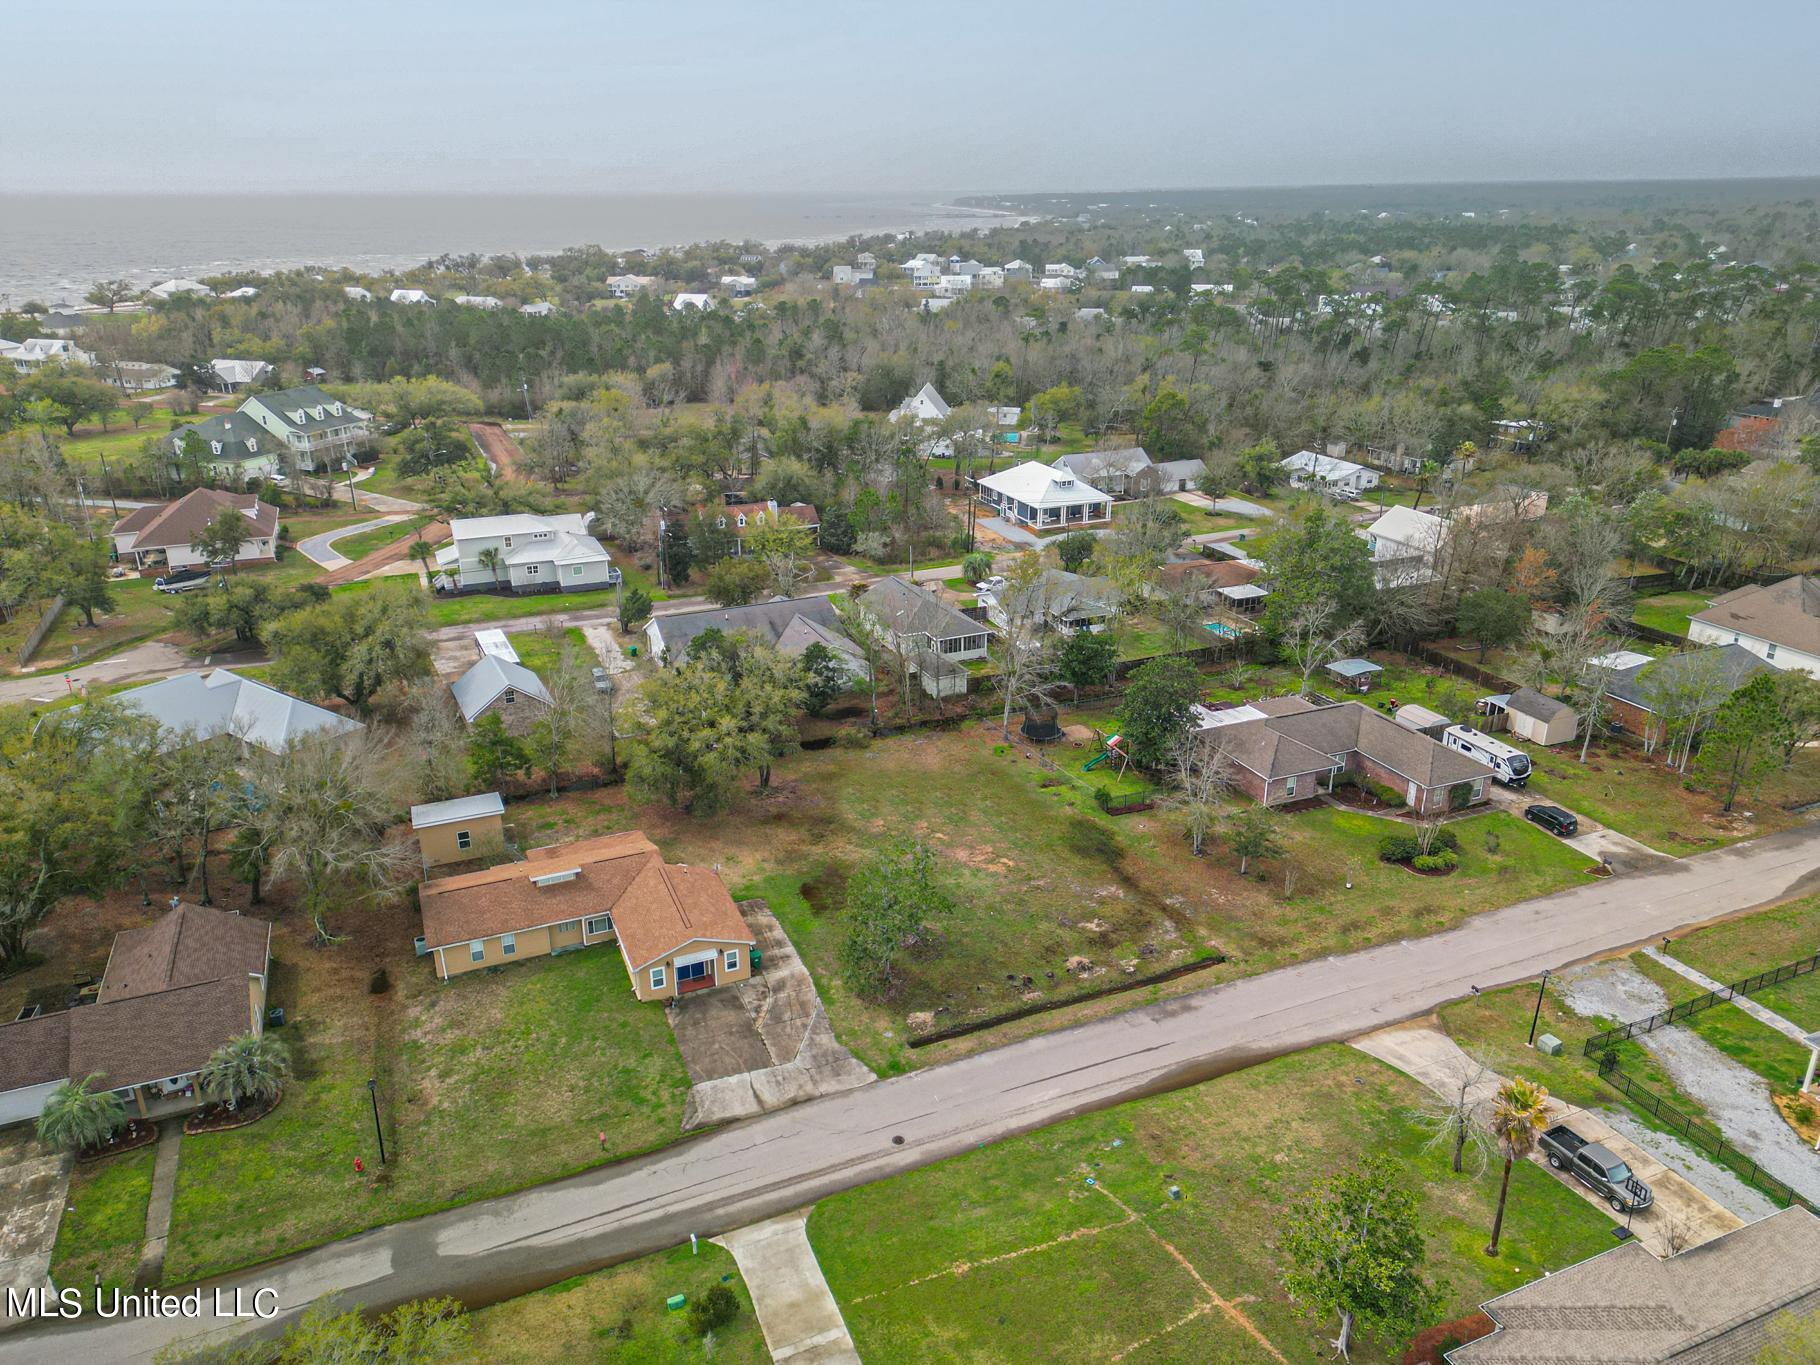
column 53, row 247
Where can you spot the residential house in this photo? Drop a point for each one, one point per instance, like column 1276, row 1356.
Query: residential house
column 1104, row 272
column 321, row 432
column 157, row 536
column 841, row 274
column 1531, row 715
column 543, row 308
column 1210, row 288
column 33, row 352
column 230, row 447
column 485, row 302
column 1122, row 473
column 1195, row 257
column 743, row 518
column 172, row 993
column 1287, row 749
column 456, row 831
column 246, row 291
column 1778, row 622
column 790, row 623
column 140, row 376
column 171, row 289
column 1205, row 575
column 925, row 405
column 1521, row 435
column 1720, row 1302
column 230, row 376
column 1060, row 271
column 701, row 303
column 526, row 553
column 1056, row 600
column 1638, row 693
column 625, row 286
column 1308, row 469
column 1004, row 416
column 989, row 277
column 929, row 634
column 1019, row 272
column 739, row 286
column 1178, row 476
column 924, row 272
column 197, row 708
column 492, row 686
column 411, row 296
column 866, row 261
column 953, row 286
column 1755, row 425
column 1142, row 289
column 677, row 929
column 1406, row 546
column 355, row 294
column 933, row 304
column 1044, row 497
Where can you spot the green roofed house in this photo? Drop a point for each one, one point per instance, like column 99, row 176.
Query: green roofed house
column 321, row 432
column 231, row 447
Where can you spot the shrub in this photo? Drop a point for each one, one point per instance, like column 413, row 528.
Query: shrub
column 716, row 1308
column 1439, row 860
column 380, row 983
column 1398, row 848
column 847, row 737
column 1390, row 796
column 1102, row 797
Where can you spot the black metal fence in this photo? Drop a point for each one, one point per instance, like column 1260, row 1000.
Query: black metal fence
column 1687, row 1008
column 1700, row 1133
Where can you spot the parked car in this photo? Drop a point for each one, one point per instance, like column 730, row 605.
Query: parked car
column 1553, row 819
column 600, row 680
column 181, row 581
column 1597, row 1168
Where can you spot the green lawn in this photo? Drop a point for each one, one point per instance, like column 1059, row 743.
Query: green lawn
column 541, row 650
column 489, row 1083
column 363, row 543
column 103, row 1224
column 1739, row 948
column 949, row 1262
column 1669, row 611
column 619, row 1314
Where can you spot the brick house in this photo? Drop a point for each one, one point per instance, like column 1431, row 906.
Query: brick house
column 1287, row 749
column 1638, row 692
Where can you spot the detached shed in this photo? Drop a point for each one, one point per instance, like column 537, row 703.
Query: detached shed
column 1540, row 719
column 1355, row 675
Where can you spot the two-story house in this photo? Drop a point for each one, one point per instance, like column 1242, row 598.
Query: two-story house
column 230, row 447
column 321, row 432
column 932, row 637
column 526, row 553
column 1778, row 622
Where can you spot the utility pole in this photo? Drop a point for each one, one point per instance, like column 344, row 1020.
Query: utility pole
column 1541, row 986
column 378, row 1131
column 524, row 387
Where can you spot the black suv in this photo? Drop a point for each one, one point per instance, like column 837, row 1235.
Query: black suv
column 1553, row 819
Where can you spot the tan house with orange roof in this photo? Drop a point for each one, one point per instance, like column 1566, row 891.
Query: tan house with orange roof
column 677, row 928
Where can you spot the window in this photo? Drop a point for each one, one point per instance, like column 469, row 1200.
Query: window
column 532, row 570
column 692, row 971
column 742, row 518
column 720, row 523
column 252, row 446
column 215, row 447
column 568, row 926
column 1772, row 653
column 508, row 944
column 575, row 572
column 463, row 839
column 658, row 979
column 508, row 542
column 1289, row 786
column 732, row 959
column 600, row 924
column 508, row 697
column 477, row 951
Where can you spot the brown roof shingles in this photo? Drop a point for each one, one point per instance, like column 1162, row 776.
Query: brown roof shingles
column 1786, row 612
column 33, row 1051
column 175, row 524
column 1317, row 732
column 158, row 1036
column 656, row 908
column 190, row 945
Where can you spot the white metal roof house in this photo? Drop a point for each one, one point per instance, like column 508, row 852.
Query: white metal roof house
column 246, row 291
column 1043, row 497
column 486, row 301
column 170, row 289
column 357, row 294
column 541, row 309
column 701, row 303
column 29, row 354
column 203, row 706
column 535, row 553
column 1405, row 546
column 229, row 375
column 925, row 405
column 1306, row 468
column 739, row 286
column 411, row 296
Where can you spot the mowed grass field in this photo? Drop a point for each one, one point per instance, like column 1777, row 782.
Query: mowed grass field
column 1042, row 877
column 1010, row 1252
column 103, row 1223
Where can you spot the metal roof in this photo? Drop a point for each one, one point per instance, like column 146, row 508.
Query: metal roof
column 476, row 689
column 461, row 808
column 1353, row 668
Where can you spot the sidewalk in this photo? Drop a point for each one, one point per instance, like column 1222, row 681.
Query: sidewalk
column 795, row 1307
column 1761, row 1013
column 158, row 1210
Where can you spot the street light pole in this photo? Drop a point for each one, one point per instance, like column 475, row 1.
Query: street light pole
column 1541, row 986
column 378, row 1132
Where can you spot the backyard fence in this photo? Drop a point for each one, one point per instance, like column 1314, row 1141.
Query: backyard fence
column 1637, row 631
column 1441, row 659
column 1127, row 801
column 1687, row 1008
column 43, row 628
column 1700, row 1133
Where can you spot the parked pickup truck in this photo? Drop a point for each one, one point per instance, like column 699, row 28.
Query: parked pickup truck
column 1596, row 1168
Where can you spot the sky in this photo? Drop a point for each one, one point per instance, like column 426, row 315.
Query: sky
column 997, row 96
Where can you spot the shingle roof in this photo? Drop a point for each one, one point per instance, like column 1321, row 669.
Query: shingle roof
column 1530, row 702
column 1787, row 613
column 461, row 808
column 1058, row 593
column 172, row 525
column 1094, row 464
column 186, row 947
column 205, row 705
column 490, row 676
column 1208, row 573
column 299, row 407
column 656, row 908
column 767, row 621
column 1639, row 684
column 1319, row 735
column 35, row 1051
column 909, row 610
column 153, row 1037
column 1707, row 1305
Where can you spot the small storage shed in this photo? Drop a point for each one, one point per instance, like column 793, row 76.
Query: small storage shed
column 1540, row 719
column 454, row 831
column 1421, row 720
column 1354, row 675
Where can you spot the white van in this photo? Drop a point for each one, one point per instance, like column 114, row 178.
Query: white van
column 1510, row 765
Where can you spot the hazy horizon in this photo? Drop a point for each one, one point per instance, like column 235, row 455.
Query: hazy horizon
column 557, row 96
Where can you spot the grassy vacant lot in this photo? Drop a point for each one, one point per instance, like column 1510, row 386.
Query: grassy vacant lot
column 541, row 650
column 365, row 542
column 1011, row 1242
column 619, row 1314
column 1043, row 876
column 1737, row 948
column 490, row 1083
column 1669, row 611
column 104, row 1223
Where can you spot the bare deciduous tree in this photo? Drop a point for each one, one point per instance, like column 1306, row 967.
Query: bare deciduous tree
column 1314, row 638
column 1453, row 1115
column 1202, row 774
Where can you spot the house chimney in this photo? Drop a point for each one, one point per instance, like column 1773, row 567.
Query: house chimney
column 771, row 503
column 255, row 1002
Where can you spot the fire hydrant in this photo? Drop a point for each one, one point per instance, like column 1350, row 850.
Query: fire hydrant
column 359, row 1166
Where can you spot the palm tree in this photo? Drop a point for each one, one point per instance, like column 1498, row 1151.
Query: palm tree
column 1518, row 1116
column 493, row 562
column 78, row 1115
column 422, row 552
column 253, row 1066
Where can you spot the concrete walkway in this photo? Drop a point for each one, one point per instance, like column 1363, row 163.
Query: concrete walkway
column 321, row 549
column 158, row 1210
column 1761, row 1013
column 795, row 1308
column 33, row 1188
column 762, row 1167
column 1682, row 1216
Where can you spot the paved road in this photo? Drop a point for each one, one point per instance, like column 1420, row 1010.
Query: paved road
column 321, row 549
column 784, row 1160
column 139, row 663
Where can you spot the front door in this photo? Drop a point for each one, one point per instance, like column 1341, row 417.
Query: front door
column 694, row 976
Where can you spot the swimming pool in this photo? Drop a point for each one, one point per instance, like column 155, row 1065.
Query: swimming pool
column 1222, row 629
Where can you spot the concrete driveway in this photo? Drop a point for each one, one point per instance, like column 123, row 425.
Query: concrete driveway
column 321, row 549
column 1598, row 842
column 33, row 1186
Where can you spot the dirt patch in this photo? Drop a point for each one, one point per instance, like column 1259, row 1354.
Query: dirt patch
column 1802, row 1113
column 826, row 892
